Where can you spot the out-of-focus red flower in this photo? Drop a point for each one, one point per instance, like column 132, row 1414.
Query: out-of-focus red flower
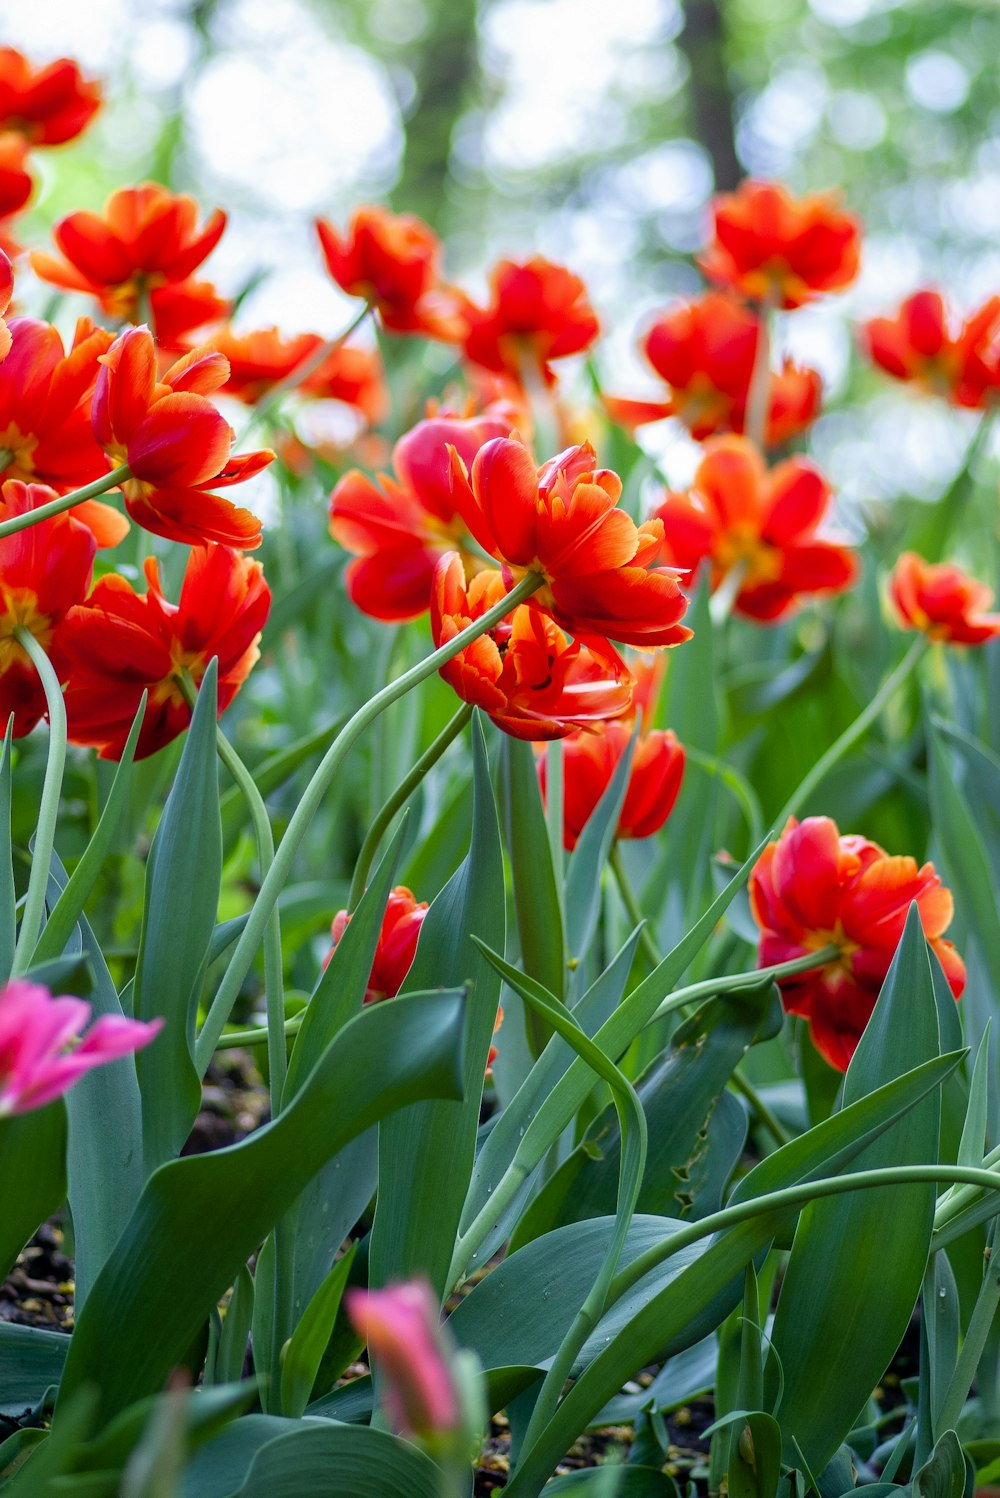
column 929, row 347
column 814, row 887
column 400, row 1326
column 42, row 1053
column 6, row 292
column 44, row 570
column 397, row 943
column 942, row 601
column 146, row 239
column 392, row 260
column 45, row 395
column 16, row 182
column 121, row 643
column 562, row 520
column 706, row 350
column 46, row 105
column 259, row 361
column 175, row 442
column 531, row 680
column 398, row 527
column 538, row 311
column 740, row 514
column 590, row 760
column 182, row 311
column 770, row 246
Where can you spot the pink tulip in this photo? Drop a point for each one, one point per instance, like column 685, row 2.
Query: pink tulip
column 401, row 1327
column 35, row 1033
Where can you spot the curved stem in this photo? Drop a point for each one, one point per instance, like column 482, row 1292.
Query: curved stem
column 399, row 797
column 755, row 420
column 24, row 522
column 774, row 1126
column 48, row 811
column 237, row 1040
column 754, row 978
column 854, row 731
column 312, row 799
column 301, row 372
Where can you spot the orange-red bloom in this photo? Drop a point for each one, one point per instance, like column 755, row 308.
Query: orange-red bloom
column 813, row 887
column 392, row 261
column 259, row 361
column 706, row 350
column 6, row 292
column 770, row 246
column 121, row 643
column 531, row 680
column 740, row 514
column 174, row 441
column 589, row 762
column 146, row 240
column 942, row 601
column 398, row 527
column 538, row 311
column 16, row 182
column 562, row 521
column 44, row 570
column 397, row 943
column 46, row 105
column 926, row 345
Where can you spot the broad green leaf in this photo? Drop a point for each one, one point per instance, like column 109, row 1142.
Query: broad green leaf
column 200, row 1218
column 32, row 1175
column 30, row 1361
column 426, row 1152
column 324, row 1460
column 183, row 877
column 77, row 889
column 614, row 1482
column 536, row 899
column 947, row 1473
column 203, row 1414
column 841, row 1316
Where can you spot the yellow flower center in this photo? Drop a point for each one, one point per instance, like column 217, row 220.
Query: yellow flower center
column 19, row 610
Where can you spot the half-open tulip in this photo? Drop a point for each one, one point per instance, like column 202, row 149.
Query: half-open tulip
column 531, row 680
column 121, row 643
column 397, row 942
column 42, row 1049
column 590, row 760
column 44, row 571
column 815, row 887
column 778, row 249
column 175, row 442
column 47, row 105
column 562, row 521
column 398, row 526
column 392, row 260
column 538, row 311
column 942, row 601
column 401, row 1328
column 739, row 514
column 926, row 345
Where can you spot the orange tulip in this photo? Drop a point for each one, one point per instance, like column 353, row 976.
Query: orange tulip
column 772, row 247
column 398, row 527
column 740, row 514
column 43, row 572
column 47, row 105
column 146, row 240
column 814, row 887
column 562, row 520
column 531, row 680
column 942, row 601
column 925, row 345
column 259, row 361
column 538, row 311
column 121, row 643
column 589, row 762
column 392, row 261
column 706, row 350
column 175, row 442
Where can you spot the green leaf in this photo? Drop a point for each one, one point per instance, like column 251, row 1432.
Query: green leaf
column 609, row 1481
column 304, row 1351
column 426, row 1152
column 183, row 877
column 77, row 889
column 235, row 1334
column 56, row 1455
column 337, row 1461
column 939, row 1340
column 536, row 898
column 32, row 1175
column 31, row 1360
column 841, row 1316
column 200, row 1218
column 947, row 1473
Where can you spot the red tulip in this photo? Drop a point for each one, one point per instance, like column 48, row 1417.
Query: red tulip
column 259, row 361
column 925, row 345
column 392, row 261
column 537, row 312
column 397, row 943
column 589, row 762
column 47, row 105
column 942, row 601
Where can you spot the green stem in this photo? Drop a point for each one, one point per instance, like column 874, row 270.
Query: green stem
column 238, row 1040
column 755, row 419
column 399, row 797
column 734, row 782
column 646, row 939
column 955, row 1202
column 774, row 1126
column 48, row 811
column 24, row 522
column 305, row 813
column 854, row 731
column 555, row 784
column 754, row 978
column 295, row 377
column 721, row 603
column 273, row 967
